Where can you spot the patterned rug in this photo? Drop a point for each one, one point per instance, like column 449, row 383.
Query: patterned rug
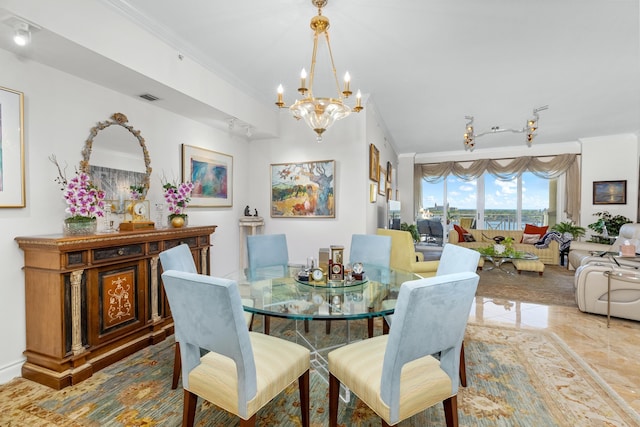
column 554, row 287
column 515, row 378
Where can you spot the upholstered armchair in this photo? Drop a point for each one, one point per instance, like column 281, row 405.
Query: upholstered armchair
column 179, row 258
column 238, row 373
column 581, row 253
column 404, row 256
column 395, row 375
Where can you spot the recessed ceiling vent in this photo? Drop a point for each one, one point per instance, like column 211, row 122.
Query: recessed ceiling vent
column 149, row 97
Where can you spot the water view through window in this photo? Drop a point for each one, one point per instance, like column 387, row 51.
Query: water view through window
column 488, row 203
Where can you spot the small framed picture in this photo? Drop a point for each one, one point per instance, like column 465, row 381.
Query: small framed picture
column 12, row 188
column 610, row 192
column 374, row 162
column 373, row 192
column 389, row 172
column 382, row 181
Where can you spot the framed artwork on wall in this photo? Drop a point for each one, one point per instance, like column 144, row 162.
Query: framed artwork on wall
column 373, row 192
column 303, row 190
column 389, row 172
column 610, row 192
column 12, row 189
column 382, row 181
column 374, row 162
column 212, row 176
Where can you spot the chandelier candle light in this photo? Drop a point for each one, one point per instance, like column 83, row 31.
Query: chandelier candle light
column 530, row 128
column 320, row 113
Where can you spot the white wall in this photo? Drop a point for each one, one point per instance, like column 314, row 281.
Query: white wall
column 59, row 112
column 609, row 158
column 346, row 143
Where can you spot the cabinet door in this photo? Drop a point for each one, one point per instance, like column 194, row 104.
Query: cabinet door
column 117, row 302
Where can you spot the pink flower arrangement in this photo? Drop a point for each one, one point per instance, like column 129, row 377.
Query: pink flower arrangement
column 177, row 197
column 82, row 197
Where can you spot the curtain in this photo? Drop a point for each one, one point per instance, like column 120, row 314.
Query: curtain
column 547, row 167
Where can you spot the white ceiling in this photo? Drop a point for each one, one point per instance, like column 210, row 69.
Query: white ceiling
column 425, row 63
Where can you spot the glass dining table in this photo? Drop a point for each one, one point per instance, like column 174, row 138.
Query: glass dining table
column 286, row 296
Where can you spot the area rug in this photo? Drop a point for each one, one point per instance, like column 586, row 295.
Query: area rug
column 554, row 287
column 515, row 378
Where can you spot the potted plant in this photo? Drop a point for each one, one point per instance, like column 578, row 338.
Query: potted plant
column 607, row 224
column 411, row 228
column 568, row 228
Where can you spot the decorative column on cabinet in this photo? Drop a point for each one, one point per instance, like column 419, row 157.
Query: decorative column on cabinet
column 92, row 300
column 249, row 226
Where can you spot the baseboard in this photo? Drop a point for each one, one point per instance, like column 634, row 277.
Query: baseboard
column 11, row 371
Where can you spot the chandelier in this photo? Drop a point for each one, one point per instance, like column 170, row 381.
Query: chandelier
column 529, row 129
column 320, row 113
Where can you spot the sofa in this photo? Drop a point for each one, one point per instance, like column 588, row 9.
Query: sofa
column 584, row 252
column 591, row 290
column 404, row 256
column 483, row 238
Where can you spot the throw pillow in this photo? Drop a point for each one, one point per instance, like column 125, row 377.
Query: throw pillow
column 534, row 229
column 530, row 239
column 468, row 237
column 461, row 231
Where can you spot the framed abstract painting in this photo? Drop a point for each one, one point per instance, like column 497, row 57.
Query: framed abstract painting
column 212, row 176
column 12, row 189
column 303, row 190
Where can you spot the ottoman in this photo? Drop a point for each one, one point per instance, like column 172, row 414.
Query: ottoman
column 528, row 265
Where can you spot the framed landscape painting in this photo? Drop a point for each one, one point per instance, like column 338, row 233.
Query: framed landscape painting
column 610, row 192
column 12, row 190
column 212, row 176
column 303, row 190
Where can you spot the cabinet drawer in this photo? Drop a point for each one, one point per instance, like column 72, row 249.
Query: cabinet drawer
column 191, row 241
column 113, row 253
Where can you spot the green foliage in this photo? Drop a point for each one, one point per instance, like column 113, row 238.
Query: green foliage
column 411, row 228
column 613, row 223
column 569, row 227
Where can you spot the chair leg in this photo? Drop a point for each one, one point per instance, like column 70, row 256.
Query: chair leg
column 251, row 323
column 189, row 410
column 267, row 325
column 370, row 326
column 451, row 411
column 306, row 326
column 177, row 366
column 327, row 327
column 334, row 395
column 463, row 367
column 385, row 327
column 248, row 423
column 303, row 386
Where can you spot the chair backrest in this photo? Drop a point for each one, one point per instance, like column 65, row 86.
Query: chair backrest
column 430, row 317
column 457, row 259
column 436, row 228
column 374, row 252
column 403, row 251
column 178, row 258
column 207, row 313
column 267, row 254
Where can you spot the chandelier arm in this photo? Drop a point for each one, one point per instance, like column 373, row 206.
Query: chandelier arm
column 333, row 66
column 313, row 63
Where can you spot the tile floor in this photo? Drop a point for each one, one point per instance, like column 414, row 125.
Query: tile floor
column 614, row 352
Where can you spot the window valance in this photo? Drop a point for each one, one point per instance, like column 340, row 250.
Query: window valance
column 547, row 167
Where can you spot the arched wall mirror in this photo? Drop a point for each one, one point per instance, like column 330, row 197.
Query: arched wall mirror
column 111, row 156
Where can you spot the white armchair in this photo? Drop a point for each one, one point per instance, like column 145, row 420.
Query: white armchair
column 581, row 253
column 591, row 289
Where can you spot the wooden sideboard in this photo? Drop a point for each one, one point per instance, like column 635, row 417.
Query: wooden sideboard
column 92, row 300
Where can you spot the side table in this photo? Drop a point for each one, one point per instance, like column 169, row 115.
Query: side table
column 249, row 225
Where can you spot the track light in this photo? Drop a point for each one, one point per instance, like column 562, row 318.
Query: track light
column 22, row 34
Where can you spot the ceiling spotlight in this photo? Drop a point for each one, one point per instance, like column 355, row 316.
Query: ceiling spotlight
column 22, row 34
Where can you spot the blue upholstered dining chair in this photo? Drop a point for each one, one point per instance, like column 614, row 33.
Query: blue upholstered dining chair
column 242, row 371
column 268, row 257
column 374, row 252
column 454, row 259
column 179, row 258
column 395, row 374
